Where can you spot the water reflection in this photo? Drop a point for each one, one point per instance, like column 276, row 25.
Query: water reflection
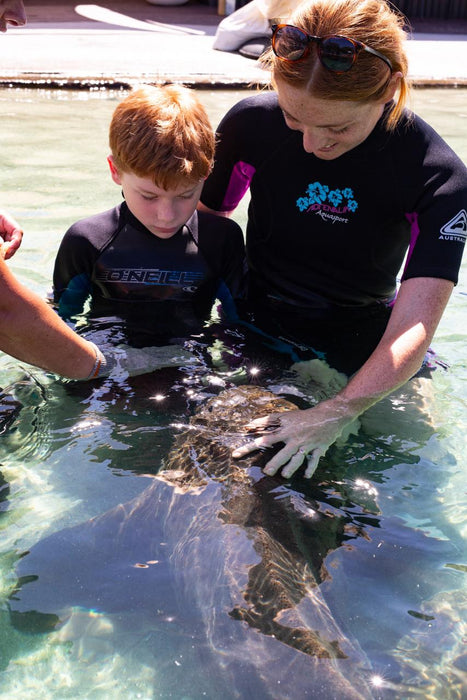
column 370, row 553
column 211, row 543
column 202, row 568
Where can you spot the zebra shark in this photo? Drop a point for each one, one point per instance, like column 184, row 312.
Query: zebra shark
column 213, row 546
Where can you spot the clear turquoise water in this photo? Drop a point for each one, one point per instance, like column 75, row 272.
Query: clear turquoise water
column 394, row 494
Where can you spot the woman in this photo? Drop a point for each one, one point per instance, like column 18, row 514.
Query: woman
column 344, row 183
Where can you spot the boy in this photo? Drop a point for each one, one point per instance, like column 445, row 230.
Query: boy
column 153, row 261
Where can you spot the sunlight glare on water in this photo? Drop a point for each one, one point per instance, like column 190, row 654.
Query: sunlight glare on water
column 382, row 530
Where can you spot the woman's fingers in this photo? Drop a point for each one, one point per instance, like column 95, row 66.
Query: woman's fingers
column 247, row 448
column 312, row 462
column 292, row 459
column 289, row 429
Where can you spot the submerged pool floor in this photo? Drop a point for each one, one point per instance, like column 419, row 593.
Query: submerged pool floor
column 123, row 577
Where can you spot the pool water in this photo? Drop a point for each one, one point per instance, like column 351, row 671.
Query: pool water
column 137, row 579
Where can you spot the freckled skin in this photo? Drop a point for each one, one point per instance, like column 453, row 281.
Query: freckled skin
column 330, row 128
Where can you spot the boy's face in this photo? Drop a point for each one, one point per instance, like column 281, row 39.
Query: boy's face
column 162, row 212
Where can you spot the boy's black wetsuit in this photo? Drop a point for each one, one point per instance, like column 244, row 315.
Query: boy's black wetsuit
column 161, row 288
column 326, row 239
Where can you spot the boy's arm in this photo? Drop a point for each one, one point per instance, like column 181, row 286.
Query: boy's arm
column 72, row 273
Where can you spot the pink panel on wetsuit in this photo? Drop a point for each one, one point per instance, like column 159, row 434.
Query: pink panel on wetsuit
column 414, row 233
column 239, row 182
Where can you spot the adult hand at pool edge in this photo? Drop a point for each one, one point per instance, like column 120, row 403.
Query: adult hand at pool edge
column 307, row 434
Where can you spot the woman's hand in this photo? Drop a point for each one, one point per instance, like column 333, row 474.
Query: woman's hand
column 307, row 434
column 419, row 305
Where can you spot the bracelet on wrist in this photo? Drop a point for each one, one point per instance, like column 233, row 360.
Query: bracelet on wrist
column 99, row 363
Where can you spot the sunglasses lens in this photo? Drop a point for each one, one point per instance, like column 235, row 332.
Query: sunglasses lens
column 289, row 43
column 337, row 53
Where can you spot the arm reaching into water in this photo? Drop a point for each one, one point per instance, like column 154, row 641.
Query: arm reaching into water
column 11, row 233
column 309, row 433
column 31, row 331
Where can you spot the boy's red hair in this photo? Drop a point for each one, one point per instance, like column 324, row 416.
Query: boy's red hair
column 162, row 133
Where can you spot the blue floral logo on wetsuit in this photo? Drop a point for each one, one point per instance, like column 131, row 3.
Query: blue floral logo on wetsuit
column 329, row 204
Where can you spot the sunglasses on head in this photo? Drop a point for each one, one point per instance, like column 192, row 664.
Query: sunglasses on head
column 336, row 53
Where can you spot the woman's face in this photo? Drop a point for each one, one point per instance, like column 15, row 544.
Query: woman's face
column 330, row 128
column 11, row 12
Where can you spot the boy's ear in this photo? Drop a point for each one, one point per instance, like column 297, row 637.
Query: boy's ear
column 113, row 170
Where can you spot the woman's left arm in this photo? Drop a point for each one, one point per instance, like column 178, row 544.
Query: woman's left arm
column 308, row 433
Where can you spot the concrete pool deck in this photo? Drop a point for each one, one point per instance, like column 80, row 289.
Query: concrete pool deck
column 123, row 42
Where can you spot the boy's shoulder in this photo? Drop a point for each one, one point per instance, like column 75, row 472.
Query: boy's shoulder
column 94, row 226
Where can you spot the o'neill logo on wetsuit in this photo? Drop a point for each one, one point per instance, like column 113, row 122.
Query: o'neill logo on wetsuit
column 177, row 278
column 456, row 229
column 330, row 205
